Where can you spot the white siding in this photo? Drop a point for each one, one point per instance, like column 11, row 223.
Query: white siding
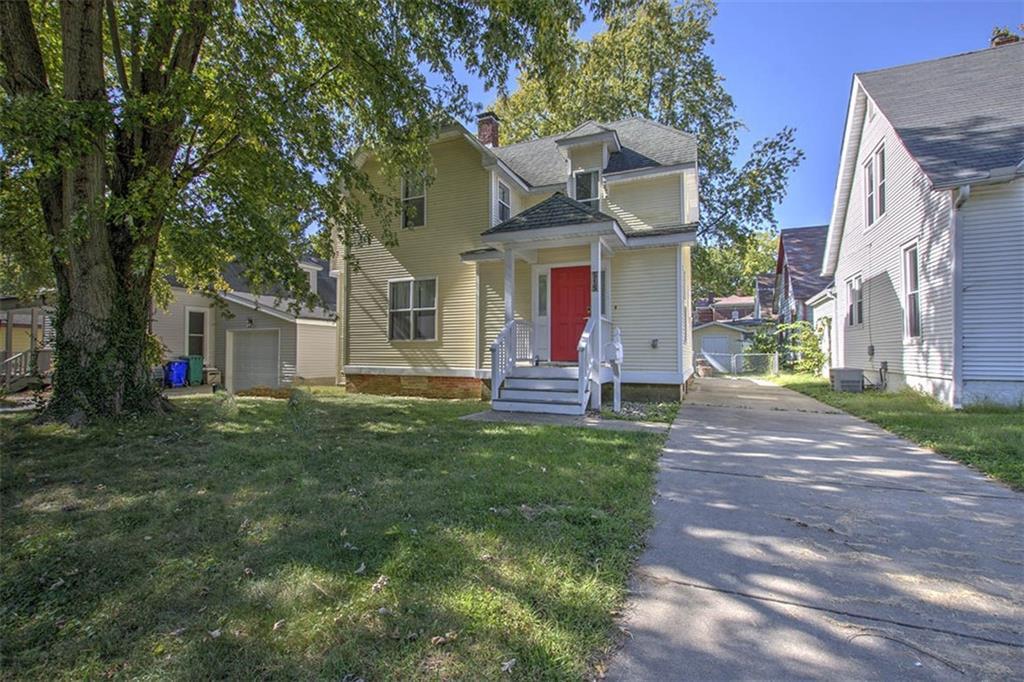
column 316, row 352
column 913, row 212
column 991, row 224
column 169, row 325
column 240, row 321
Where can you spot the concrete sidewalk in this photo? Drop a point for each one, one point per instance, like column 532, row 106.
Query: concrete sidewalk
column 792, row 541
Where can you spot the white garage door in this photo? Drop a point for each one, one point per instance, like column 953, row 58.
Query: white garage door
column 254, row 359
column 716, row 344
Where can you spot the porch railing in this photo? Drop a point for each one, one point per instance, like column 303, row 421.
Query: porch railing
column 15, row 367
column 586, row 351
column 513, row 343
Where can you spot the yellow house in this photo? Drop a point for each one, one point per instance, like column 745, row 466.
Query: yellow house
column 534, row 272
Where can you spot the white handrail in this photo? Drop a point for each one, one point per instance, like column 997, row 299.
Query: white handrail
column 586, row 361
column 15, row 367
column 513, row 343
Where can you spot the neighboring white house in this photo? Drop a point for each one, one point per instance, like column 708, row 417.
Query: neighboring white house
column 798, row 271
column 571, row 252
column 255, row 340
column 926, row 239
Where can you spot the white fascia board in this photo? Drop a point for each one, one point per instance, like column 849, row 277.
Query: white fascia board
column 844, row 179
column 609, row 136
column 491, row 159
column 642, row 242
column 644, row 173
column 250, row 303
column 316, row 322
column 826, row 294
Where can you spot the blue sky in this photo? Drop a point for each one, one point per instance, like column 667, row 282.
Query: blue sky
column 790, row 63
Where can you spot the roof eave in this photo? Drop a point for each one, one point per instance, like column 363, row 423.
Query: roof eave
column 844, row 180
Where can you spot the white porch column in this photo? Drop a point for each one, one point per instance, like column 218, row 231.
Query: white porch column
column 33, row 319
column 595, row 312
column 510, row 284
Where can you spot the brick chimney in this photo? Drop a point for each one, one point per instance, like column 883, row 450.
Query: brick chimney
column 487, row 128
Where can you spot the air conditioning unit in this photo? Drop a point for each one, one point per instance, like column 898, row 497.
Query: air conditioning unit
column 847, row 379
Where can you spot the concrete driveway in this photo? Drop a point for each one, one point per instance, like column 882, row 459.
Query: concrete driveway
column 794, row 541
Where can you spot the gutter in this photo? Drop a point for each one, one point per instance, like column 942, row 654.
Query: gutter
column 958, row 197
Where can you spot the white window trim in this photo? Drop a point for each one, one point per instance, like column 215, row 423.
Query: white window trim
column 501, row 203
column 597, row 185
column 872, row 202
column 409, row 198
column 906, row 292
column 436, row 308
column 851, row 301
column 207, row 360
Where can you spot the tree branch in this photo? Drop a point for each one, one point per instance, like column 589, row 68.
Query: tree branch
column 115, row 42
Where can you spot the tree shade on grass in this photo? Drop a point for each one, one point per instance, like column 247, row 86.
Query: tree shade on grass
column 325, row 536
column 988, row 437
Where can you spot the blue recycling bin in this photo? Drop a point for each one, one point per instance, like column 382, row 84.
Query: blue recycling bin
column 175, row 373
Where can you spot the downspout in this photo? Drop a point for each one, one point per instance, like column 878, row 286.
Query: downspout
column 958, row 196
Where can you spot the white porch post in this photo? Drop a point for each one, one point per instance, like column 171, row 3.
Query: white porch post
column 510, row 284
column 32, row 340
column 595, row 313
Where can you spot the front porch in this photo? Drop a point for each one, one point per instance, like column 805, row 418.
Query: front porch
column 557, row 344
column 27, row 336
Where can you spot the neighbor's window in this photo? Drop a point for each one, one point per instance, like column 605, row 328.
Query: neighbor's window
column 911, row 292
column 412, row 310
column 196, row 340
column 586, row 189
column 504, row 203
column 854, row 301
column 414, row 201
column 874, row 186
column 542, row 295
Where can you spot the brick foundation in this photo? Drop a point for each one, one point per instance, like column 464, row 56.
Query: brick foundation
column 423, row 386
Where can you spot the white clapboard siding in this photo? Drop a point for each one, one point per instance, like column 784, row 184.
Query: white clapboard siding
column 645, row 301
column 992, row 238
column 913, row 213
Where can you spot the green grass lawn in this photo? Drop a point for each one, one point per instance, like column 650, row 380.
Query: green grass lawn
column 990, row 438
column 340, row 535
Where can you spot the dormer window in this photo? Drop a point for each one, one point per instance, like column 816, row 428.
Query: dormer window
column 585, row 187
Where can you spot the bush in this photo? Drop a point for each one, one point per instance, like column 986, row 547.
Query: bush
column 804, row 345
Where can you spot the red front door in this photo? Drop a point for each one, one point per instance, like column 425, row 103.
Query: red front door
column 570, row 308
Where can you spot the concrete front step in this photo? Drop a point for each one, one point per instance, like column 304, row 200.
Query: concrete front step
column 542, row 384
column 539, row 395
column 542, row 407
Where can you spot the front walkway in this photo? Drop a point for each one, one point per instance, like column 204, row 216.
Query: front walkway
column 795, row 541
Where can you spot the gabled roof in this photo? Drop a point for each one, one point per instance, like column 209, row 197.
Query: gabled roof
column 276, row 298
column 960, row 117
column 734, row 300
column 557, row 210
column 585, row 130
column 804, row 249
column 644, row 144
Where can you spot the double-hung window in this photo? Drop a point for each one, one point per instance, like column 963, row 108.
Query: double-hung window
column 911, row 292
column 414, row 201
column 874, row 186
column 412, row 310
column 504, row 203
column 854, row 301
column 196, row 332
column 586, row 189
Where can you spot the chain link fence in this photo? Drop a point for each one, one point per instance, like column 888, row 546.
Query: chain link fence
column 739, row 364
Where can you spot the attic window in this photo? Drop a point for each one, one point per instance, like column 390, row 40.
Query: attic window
column 504, row 203
column 585, row 187
column 414, row 201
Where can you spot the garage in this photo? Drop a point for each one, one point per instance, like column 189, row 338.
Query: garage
column 253, row 359
column 717, row 344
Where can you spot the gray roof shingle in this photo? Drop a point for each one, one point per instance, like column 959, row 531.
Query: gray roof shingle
column 645, row 144
column 555, row 211
column 805, row 249
column 766, row 291
column 961, row 117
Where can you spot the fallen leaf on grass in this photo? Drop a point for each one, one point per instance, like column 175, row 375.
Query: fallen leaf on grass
column 214, row 633
column 361, row 569
column 446, row 638
column 381, row 583
column 506, row 666
column 279, row 624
